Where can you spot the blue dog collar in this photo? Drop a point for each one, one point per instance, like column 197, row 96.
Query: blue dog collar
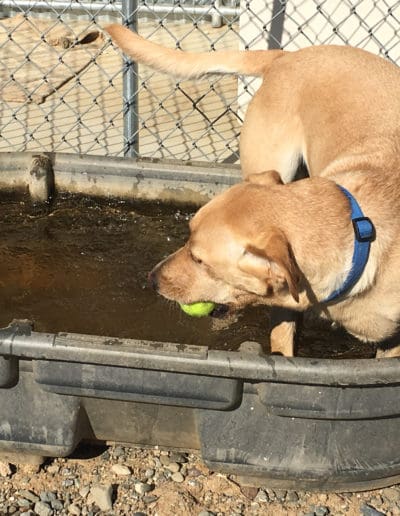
column 364, row 233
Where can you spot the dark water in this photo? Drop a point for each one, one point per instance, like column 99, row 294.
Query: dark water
column 81, row 266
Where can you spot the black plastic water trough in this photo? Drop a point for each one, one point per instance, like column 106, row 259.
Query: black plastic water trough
column 291, row 423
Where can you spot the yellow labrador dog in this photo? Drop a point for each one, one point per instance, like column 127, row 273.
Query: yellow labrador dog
column 330, row 241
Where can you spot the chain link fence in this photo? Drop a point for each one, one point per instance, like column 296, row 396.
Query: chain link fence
column 64, row 87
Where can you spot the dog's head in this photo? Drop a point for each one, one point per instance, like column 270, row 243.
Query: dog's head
column 236, row 254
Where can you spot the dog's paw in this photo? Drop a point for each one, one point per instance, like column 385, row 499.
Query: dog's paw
column 388, row 353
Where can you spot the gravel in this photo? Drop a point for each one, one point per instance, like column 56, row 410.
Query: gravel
column 120, row 481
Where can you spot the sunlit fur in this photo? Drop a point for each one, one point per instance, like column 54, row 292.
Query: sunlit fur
column 249, row 244
column 335, row 108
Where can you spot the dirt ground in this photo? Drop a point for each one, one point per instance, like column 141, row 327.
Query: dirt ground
column 129, row 481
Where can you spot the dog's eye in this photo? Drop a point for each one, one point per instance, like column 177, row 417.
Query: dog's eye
column 196, row 260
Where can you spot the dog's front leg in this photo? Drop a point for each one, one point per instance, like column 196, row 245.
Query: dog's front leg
column 283, row 331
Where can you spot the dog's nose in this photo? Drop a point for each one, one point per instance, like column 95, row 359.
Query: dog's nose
column 152, row 279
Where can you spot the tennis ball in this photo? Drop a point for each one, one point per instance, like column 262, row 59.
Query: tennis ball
column 198, row 309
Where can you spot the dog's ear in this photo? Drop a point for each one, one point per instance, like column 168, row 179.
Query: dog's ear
column 268, row 178
column 271, row 260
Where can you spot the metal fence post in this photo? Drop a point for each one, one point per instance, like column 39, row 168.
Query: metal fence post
column 42, row 112
column 130, row 87
column 277, row 23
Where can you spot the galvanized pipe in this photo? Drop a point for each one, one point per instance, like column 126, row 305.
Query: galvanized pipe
column 116, row 7
column 130, row 87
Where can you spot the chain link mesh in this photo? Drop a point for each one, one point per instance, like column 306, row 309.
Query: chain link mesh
column 61, row 81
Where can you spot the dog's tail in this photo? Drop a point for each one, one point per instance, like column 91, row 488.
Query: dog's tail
column 191, row 65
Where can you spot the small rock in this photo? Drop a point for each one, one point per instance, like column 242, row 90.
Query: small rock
column 205, row 513
column 158, row 477
column 74, row 509
column 12, row 509
column 119, row 469
column 177, row 477
column 23, row 502
column 149, row 473
column 5, row 469
column 43, row 509
column 57, row 505
column 44, row 496
column 118, row 451
column 105, row 456
column 142, row 488
column 321, row 510
column 149, row 499
column 29, row 495
column 157, row 462
column 84, row 491
column 368, row 510
column 102, row 496
column 164, row 459
column 68, row 482
column 173, row 467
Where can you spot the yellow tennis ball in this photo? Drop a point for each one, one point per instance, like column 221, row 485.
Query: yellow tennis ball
column 198, row 309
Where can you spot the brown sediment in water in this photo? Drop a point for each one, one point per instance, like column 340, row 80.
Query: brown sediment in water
column 81, row 266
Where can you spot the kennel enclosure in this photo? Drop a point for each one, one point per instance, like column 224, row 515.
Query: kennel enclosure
column 73, row 113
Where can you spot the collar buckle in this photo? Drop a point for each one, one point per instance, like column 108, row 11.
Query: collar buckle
column 364, row 234
column 363, row 229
